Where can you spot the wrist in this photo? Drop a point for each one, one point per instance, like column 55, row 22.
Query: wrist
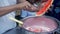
column 20, row 1
column 19, row 6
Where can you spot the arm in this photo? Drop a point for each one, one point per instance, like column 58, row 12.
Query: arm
column 8, row 9
column 20, row 1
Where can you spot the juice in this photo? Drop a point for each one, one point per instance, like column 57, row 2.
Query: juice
column 40, row 24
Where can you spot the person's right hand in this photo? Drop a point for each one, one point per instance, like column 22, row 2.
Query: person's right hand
column 26, row 5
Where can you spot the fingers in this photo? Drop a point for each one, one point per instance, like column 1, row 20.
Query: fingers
column 35, row 8
column 30, row 7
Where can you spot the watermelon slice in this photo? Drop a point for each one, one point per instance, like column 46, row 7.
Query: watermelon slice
column 45, row 8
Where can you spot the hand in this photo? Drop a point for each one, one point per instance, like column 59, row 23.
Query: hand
column 27, row 6
column 32, row 8
column 23, row 5
column 42, row 5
